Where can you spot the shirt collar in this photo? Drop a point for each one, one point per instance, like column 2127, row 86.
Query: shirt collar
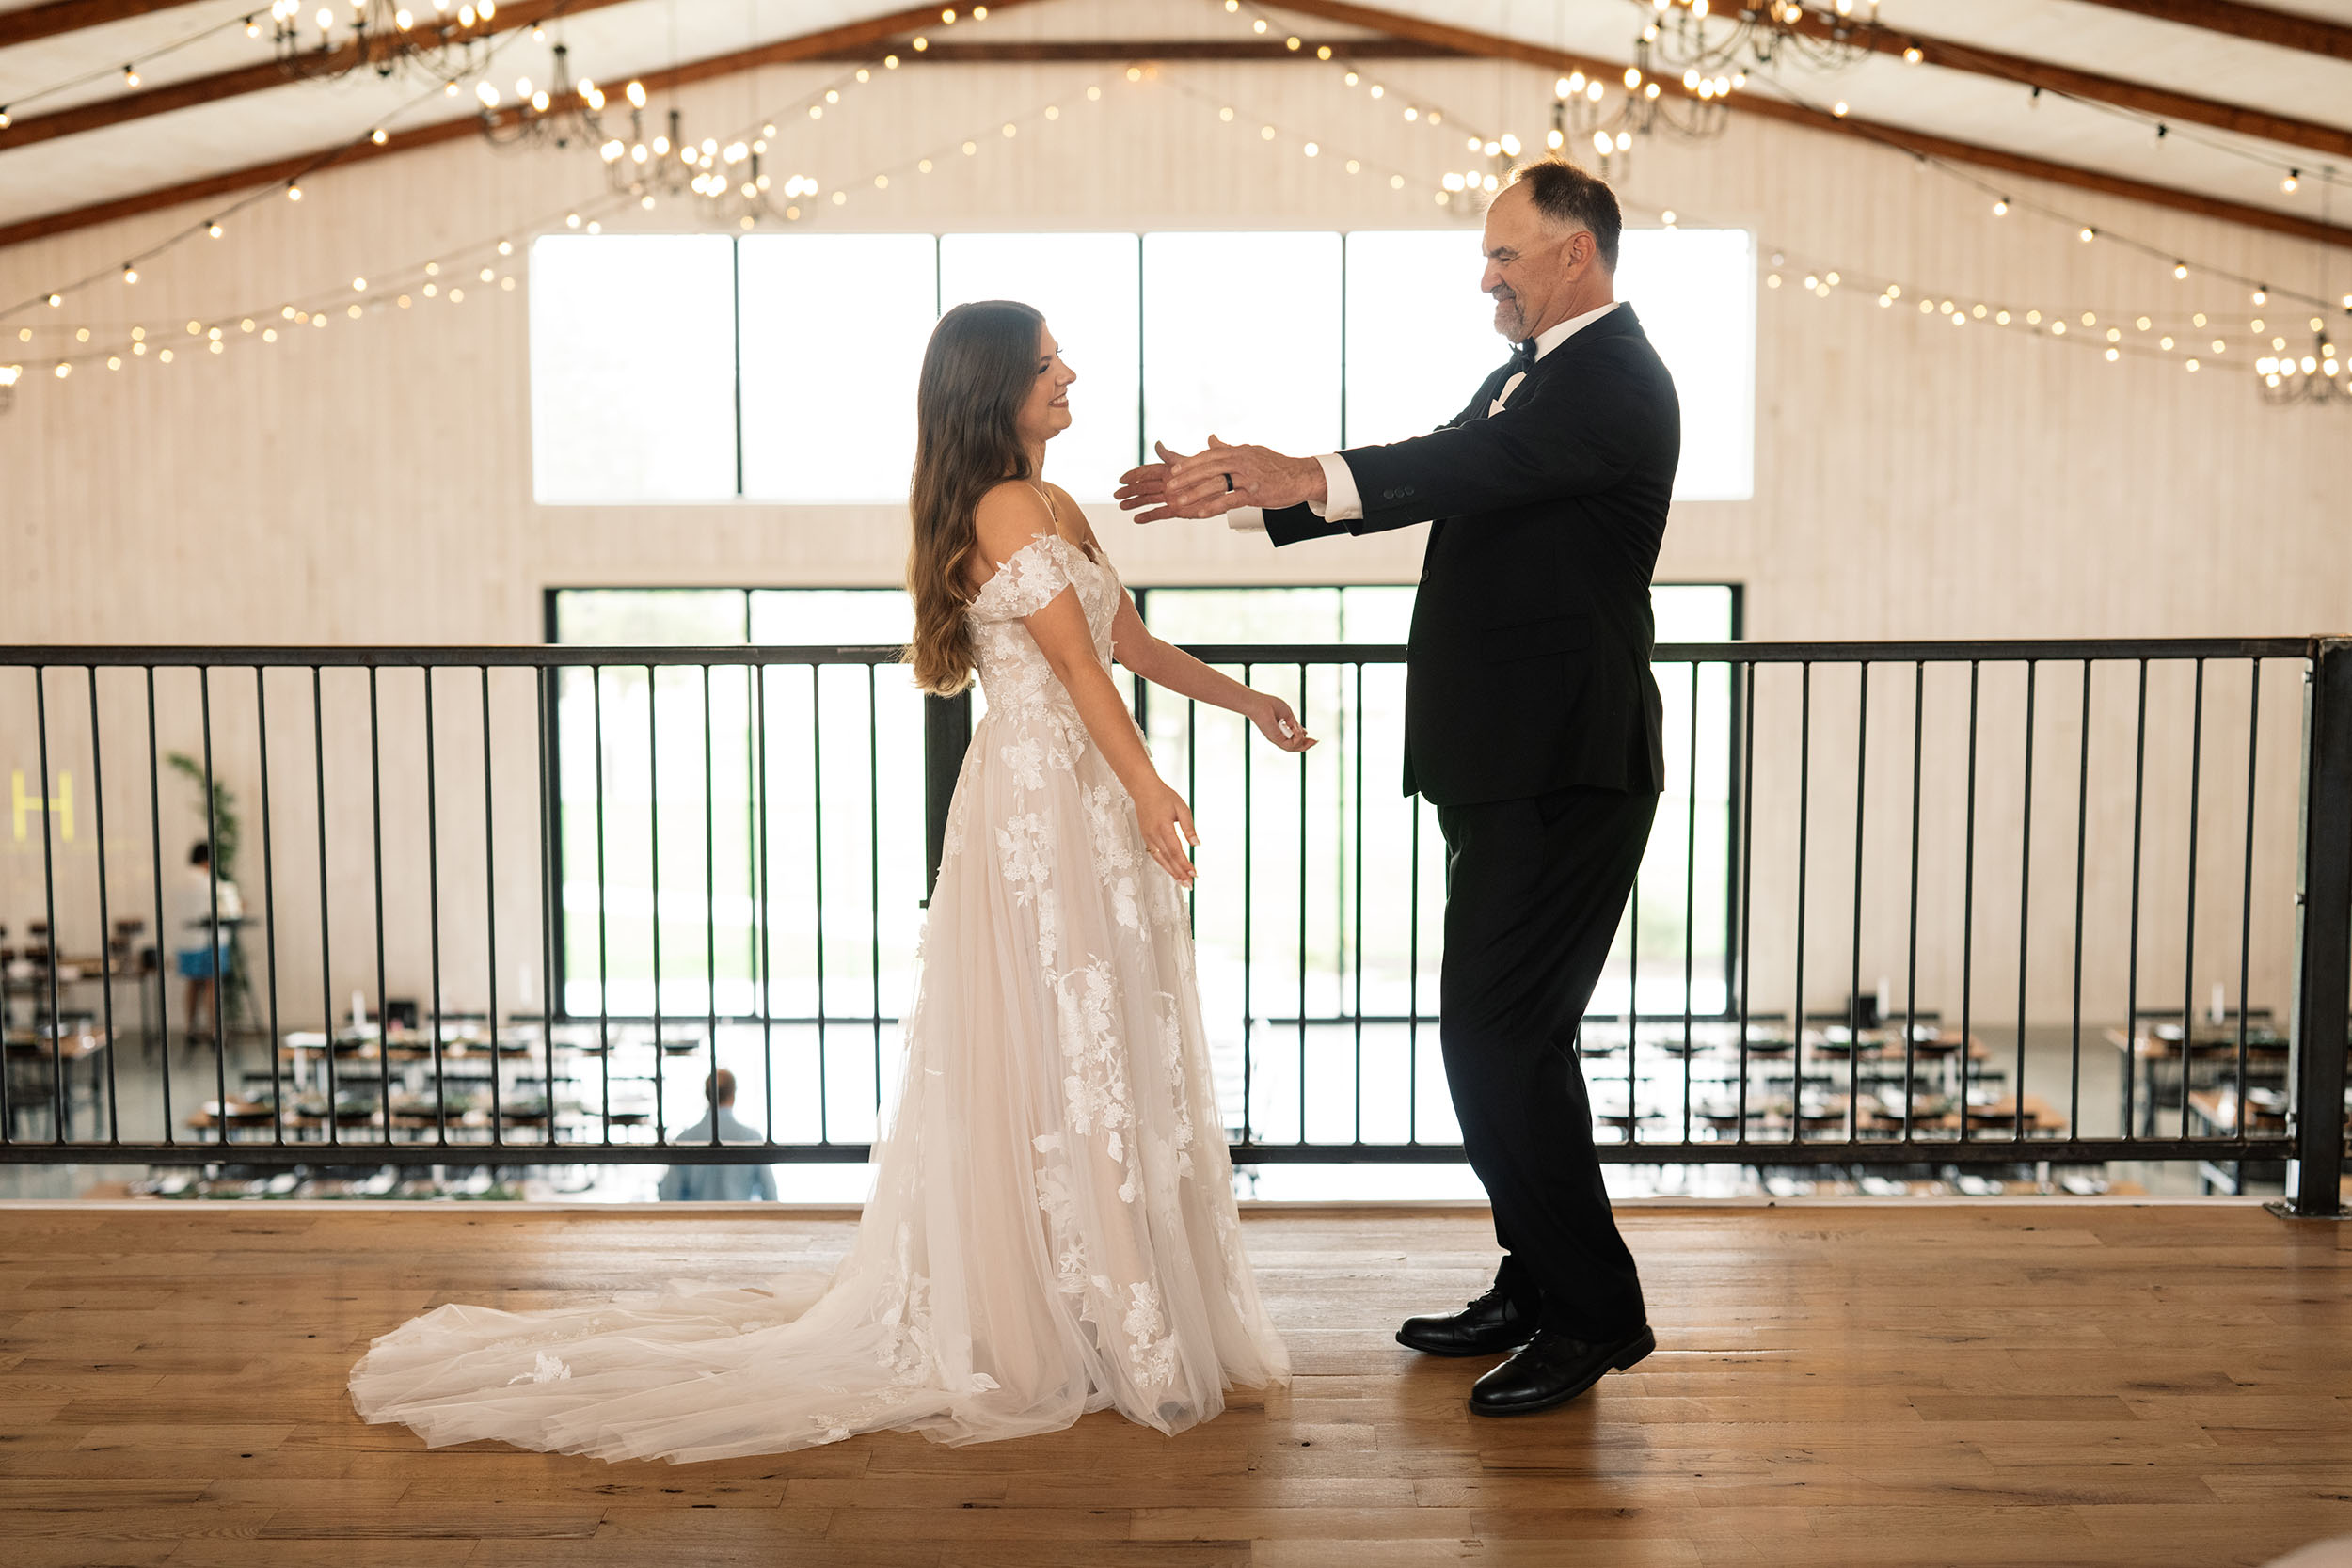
column 1547, row 341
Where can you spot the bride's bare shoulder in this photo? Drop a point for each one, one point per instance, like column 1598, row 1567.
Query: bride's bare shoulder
column 1010, row 515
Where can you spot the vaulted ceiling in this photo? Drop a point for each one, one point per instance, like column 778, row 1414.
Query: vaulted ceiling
column 2207, row 105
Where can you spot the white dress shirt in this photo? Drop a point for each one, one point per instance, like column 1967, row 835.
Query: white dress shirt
column 1343, row 503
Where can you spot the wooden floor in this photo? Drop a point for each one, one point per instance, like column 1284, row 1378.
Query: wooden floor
column 2007, row 1383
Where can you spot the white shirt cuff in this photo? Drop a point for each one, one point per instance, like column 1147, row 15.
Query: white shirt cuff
column 1246, row 519
column 1341, row 502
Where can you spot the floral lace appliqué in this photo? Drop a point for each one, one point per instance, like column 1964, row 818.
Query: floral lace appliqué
column 1094, row 1069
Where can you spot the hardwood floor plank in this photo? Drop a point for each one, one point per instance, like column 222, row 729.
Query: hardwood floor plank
column 1900, row 1387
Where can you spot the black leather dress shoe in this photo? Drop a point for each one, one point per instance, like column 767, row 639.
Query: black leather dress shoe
column 1488, row 1326
column 1554, row 1369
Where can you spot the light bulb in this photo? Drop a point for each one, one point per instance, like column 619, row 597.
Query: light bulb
column 2001, row 208
column 2179, row 271
column 130, row 76
column 130, row 273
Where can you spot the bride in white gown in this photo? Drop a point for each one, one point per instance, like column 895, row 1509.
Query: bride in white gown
column 1052, row 1228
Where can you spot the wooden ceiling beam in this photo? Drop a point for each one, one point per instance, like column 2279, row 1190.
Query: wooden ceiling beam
column 2312, row 35
column 260, row 77
column 2140, row 98
column 1129, row 51
column 1494, row 46
column 47, row 20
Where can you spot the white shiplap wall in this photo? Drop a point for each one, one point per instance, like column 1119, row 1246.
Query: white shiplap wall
column 370, row 481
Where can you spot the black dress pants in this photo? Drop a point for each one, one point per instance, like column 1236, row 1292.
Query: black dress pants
column 1534, row 890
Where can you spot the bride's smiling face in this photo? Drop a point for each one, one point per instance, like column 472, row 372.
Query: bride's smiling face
column 1046, row 413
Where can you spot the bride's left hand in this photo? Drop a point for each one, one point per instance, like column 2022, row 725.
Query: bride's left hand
column 1277, row 723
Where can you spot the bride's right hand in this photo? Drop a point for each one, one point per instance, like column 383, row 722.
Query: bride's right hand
column 1165, row 823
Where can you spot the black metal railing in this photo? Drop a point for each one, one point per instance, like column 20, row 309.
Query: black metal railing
column 559, row 886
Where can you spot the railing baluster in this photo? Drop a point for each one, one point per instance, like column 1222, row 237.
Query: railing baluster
column 219, row 969
column 551, row 957
column 433, row 907
column 162, row 938
column 653, row 848
column 817, row 861
column 59, row 1099
column 2131, row 975
column 873, row 876
column 604, row 924
column 269, row 896
column 2188, row 941
column 2082, row 829
column 105, row 915
column 1357, row 726
column 1302, row 907
column 710, row 914
column 1249, row 907
column 331, row 1133
column 763, row 960
column 383, row 1010
column 1690, row 893
column 1804, row 818
column 1853, row 982
column 1969, row 911
column 2246, row 888
column 2025, row 908
column 2324, row 931
column 490, row 923
column 1911, row 939
column 1747, row 884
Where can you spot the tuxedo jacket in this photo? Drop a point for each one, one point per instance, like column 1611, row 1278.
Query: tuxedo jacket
column 1528, row 664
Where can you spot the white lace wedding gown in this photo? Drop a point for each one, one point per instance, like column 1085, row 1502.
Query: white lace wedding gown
column 1052, row 1228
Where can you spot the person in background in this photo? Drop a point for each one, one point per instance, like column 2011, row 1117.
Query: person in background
column 192, row 910
column 708, row 1183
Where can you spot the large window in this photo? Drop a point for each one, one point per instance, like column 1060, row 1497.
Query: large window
column 632, row 368
column 780, row 367
column 832, row 328
column 1241, row 338
column 1318, row 918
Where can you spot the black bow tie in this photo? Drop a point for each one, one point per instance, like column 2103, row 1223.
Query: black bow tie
column 1523, row 355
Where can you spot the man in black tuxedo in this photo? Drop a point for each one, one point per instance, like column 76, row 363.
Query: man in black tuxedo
column 1532, row 723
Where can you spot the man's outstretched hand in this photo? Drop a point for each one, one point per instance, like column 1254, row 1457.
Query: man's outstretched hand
column 1208, row 483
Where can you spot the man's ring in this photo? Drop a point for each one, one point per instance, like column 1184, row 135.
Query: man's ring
column 1229, row 484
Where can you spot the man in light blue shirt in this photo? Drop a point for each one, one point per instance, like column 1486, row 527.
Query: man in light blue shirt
column 708, row 1183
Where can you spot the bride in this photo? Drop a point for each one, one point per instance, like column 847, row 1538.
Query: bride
column 1052, row 1229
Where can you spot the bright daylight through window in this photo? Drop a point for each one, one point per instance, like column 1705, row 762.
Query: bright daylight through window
column 780, row 367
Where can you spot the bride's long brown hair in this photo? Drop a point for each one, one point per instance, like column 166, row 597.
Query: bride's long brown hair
column 978, row 369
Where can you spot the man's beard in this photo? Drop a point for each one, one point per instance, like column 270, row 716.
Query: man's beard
column 1509, row 321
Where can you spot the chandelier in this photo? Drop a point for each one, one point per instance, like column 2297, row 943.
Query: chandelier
column 557, row 115
column 2320, row 376
column 1583, row 114
column 386, row 37
column 726, row 181
column 1759, row 36
column 2323, row 376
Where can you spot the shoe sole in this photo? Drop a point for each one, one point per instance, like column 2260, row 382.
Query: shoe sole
column 1634, row 1351
column 1493, row 1350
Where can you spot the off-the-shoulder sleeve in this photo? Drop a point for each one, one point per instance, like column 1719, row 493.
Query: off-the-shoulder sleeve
column 1027, row 582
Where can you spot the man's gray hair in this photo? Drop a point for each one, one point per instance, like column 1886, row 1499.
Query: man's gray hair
column 1567, row 194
